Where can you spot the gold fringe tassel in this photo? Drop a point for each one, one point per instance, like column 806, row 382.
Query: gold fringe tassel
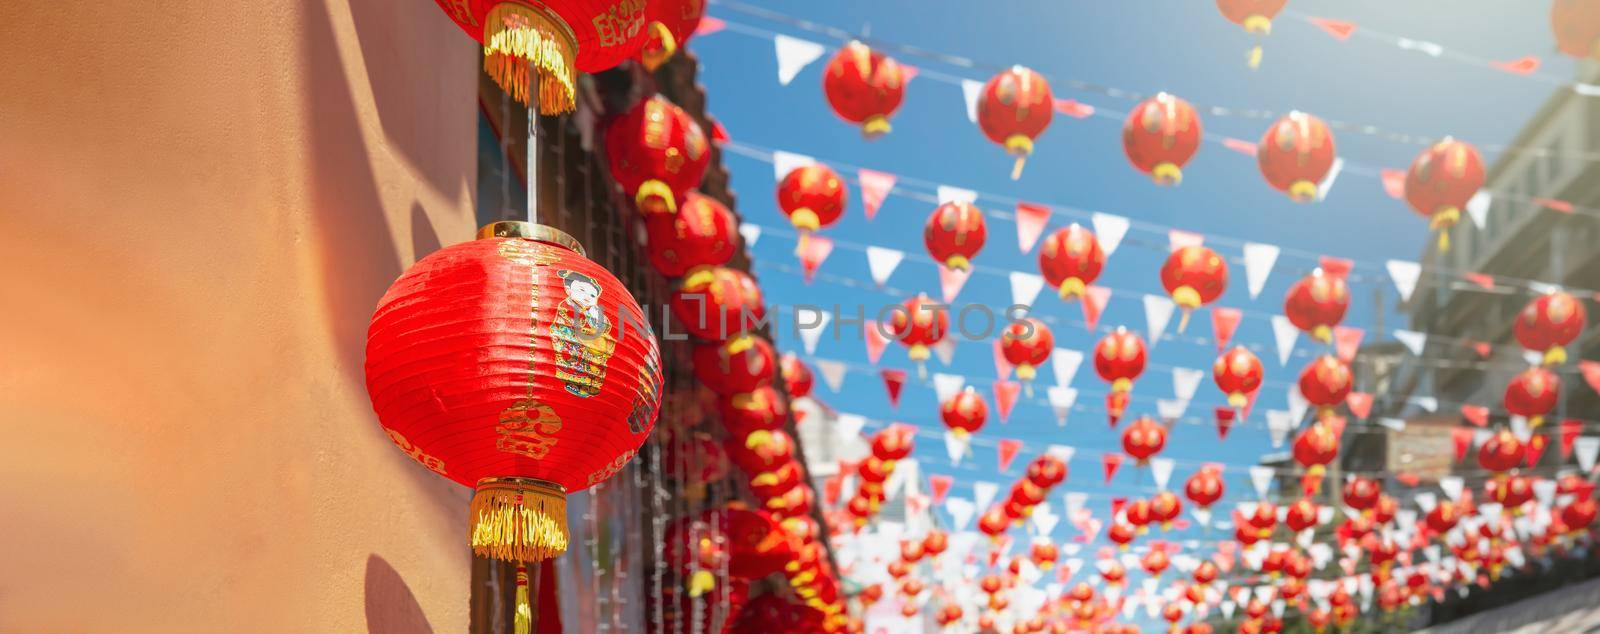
column 522, row 623
column 519, row 519
column 519, row 41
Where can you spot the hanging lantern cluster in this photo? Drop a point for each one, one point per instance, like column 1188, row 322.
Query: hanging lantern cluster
column 889, row 445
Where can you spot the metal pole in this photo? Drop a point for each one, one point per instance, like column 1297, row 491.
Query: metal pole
column 532, row 162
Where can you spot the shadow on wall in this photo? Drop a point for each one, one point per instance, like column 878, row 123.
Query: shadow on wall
column 391, row 608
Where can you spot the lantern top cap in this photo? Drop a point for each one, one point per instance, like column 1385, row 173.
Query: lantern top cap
column 520, row 229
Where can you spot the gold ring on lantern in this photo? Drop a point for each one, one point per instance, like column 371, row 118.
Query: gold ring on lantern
column 540, row 233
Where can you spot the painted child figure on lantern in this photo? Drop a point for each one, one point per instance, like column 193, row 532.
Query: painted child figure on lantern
column 582, row 336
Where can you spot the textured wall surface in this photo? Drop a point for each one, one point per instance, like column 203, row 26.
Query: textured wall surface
column 201, row 204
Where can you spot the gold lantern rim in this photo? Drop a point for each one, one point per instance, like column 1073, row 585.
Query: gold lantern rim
column 531, row 231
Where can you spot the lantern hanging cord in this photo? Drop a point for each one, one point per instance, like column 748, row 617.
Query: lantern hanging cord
column 533, row 160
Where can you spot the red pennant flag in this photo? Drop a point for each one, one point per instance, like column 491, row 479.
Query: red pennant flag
column 1178, row 239
column 1005, row 397
column 1074, row 108
column 1239, row 145
column 1008, row 452
column 1463, row 438
column 1094, row 301
column 1535, row 448
column 1031, row 219
column 1110, row 460
column 1337, row 267
column 813, row 250
column 873, row 334
column 1476, row 414
column 1394, row 183
column 1249, row 404
column 1346, row 341
column 1002, row 366
column 1570, row 429
column 939, row 485
column 1336, row 424
column 1117, row 504
column 831, row 488
column 1591, row 373
column 1482, row 348
column 1360, row 404
column 719, row 134
column 893, row 380
column 951, row 281
column 1409, row 479
column 1338, row 29
column 875, row 187
column 1116, row 405
column 1525, row 66
column 1224, row 421
column 1558, row 205
column 709, row 25
column 1486, row 282
column 1224, row 321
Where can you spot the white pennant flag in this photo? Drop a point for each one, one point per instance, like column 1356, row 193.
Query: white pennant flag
column 1396, row 424
column 1405, row 276
column 1109, row 230
column 945, row 350
column 751, row 233
column 971, row 90
column 1065, row 362
column 1297, row 404
column 1043, row 520
column 1227, row 609
column 882, row 263
column 1157, row 312
column 1185, row 381
column 1279, row 423
column 794, row 54
column 1061, row 401
column 1412, row 340
column 1203, row 516
column 1428, row 48
column 848, row 427
column 947, row 385
column 1451, row 485
column 810, row 335
column 832, row 373
column 1519, row 428
column 1075, row 501
column 1327, row 181
column 1170, row 409
column 1161, row 471
column 1063, row 453
column 1426, row 501
column 1478, row 208
column 1261, row 479
column 1545, row 490
column 1284, row 333
column 1025, row 288
column 983, row 493
column 785, row 162
column 1258, row 262
column 1586, row 447
column 1426, row 402
column 956, row 445
column 953, row 194
column 960, row 511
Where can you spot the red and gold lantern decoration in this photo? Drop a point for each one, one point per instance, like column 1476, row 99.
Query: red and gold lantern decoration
column 1027, row 344
column 1326, row 382
column 1443, row 517
column 812, row 196
column 797, row 379
column 657, row 154
column 739, row 365
column 1044, row 554
column 1160, row 136
column 525, row 414
column 1256, row 18
column 1143, row 439
column 1576, row 25
column 1361, row 493
column 1316, row 303
column 1550, row 322
column 1205, row 573
column 954, row 234
column 1502, row 452
column 1440, row 182
column 721, row 304
column 1238, row 374
column 761, row 409
column 919, row 325
column 1194, row 276
column 761, row 452
column 1046, row 471
column 1531, row 394
column 994, row 523
column 671, row 24
column 1296, row 154
column 864, row 87
column 1314, row 448
column 1013, row 110
column 1121, row 534
column 1165, row 507
column 699, row 236
column 1119, row 359
column 1300, row 515
column 1579, row 514
column 1070, row 260
column 540, row 46
column 964, row 412
column 935, row 542
column 1204, row 488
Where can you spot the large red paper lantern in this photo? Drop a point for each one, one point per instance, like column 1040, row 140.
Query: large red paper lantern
column 739, row 365
column 919, row 324
column 1160, row 135
column 1532, row 393
column 1238, row 374
column 1204, row 488
column 1579, row 514
column 1046, row 471
column 1194, row 276
column 1144, row 439
column 1548, row 323
column 514, row 365
column 1070, row 260
column 719, row 305
column 797, row 379
column 1316, row 303
column 812, row 196
column 1361, row 493
column 1325, row 383
column 657, row 154
column 541, row 45
column 1013, row 110
column 954, row 234
column 864, row 87
column 1155, row 562
column 1315, row 447
column 1296, row 154
column 1440, row 182
column 994, row 523
column 1027, row 344
column 700, row 235
column 1502, row 452
column 671, row 24
column 964, row 412
column 1576, row 25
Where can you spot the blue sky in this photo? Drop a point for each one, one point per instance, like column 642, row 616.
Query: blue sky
column 1180, row 46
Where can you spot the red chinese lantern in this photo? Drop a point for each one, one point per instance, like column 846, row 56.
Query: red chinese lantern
column 870, row 594
column 1205, row 573
column 719, row 305
column 778, row 481
column 812, row 196
column 1143, row 439
column 1315, row 447
column 761, row 409
column 1070, row 260
column 736, row 366
column 1296, row 154
column 761, row 452
column 1443, row 517
column 528, row 47
column 1027, row 344
column 1361, row 493
column 1044, row 554
column 894, row 443
column 1194, row 276
column 524, row 415
column 1316, row 303
column 949, row 615
column 1119, row 359
column 1440, row 182
column 1121, row 534
column 672, row 23
column 864, row 87
column 1511, row 492
column 795, row 503
column 1160, row 136
column 700, row 235
column 1502, row 452
column 1579, row 514
column 657, row 154
column 994, row 523
column 1532, row 394
column 797, row 378
column 1263, row 519
column 1548, row 323
column 1155, row 562
column 1238, row 374
column 1138, row 515
column 1301, row 515
column 1576, row 24
column 935, row 542
column 1014, row 109
column 1113, row 573
column 919, row 325
column 964, row 413
column 1204, row 488
column 954, row 234
column 1046, row 471
column 1165, row 508
column 1254, row 15
column 1385, row 509
column 1173, row 612
column 1325, row 383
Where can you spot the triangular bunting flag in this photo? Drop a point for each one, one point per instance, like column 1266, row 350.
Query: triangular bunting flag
column 970, row 91
column 1031, row 220
column 1478, row 208
column 1185, row 381
column 1025, row 288
column 1178, row 239
column 1005, row 397
column 1570, row 429
column 1394, row 183
column 1462, row 437
column 1279, row 424
column 893, row 380
column 1225, row 416
column 955, row 445
column 1061, row 401
column 1110, row 461
column 1161, row 471
column 1284, row 333
column 938, row 486
column 1065, row 362
column 1339, row 29
column 961, row 512
column 1261, row 479
column 751, row 234
column 1258, row 262
column 882, row 262
column 946, row 386
column 1476, row 414
column 874, row 335
column 1109, row 230
column 1346, row 341
column 832, row 373
column 1094, row 302
column 951, row 281
column 875, row 188
column 1412, row 340
column 1591, row 373
column 794, row 54
column 1405, row 276
column 812, row 251
column 785, row 162
column 1327, row 181
column 1224, row 321
column 1007, row 451
column 1360, row 404
column 1157, row 312
column 810, row 335
column 983, row 493
column 1586, row 447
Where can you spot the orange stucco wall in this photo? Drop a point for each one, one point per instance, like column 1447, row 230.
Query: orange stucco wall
column 200, row 202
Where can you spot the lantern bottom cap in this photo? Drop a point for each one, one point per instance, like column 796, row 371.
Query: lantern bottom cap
column 519, row 519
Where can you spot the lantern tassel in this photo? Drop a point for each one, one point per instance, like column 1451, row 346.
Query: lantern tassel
column 1016, row 168
column 520, row 42
column 523, row 621
column 519, row 519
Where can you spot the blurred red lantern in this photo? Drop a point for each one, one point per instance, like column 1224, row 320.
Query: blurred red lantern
column 1316, row 303
column 991, row 584
column 955, row 234
column 1385, row 509
column 1070, row 260
column 1173, row 612
column 812, row 196
column 718, row 305
column 1238, row 374
column 797, row 380
column 1165, row 508
column 864, row 87
column 1576, row 25
column 1119, row 359
column 1263, row 519
column 1361, row 493
column 1300, row 515
column 911, row 587
column 776, row 482
column 1532, row 394
column 1013, row 110
column 1160, row 135
column 1046, row 471
column 1113, row 573
column 1194, row 276
column 1044, row 554
column 699, row 456
column 1440, row 182
column 948, row 615
column 1026, row 495
column 1143, row 439
column 1254, row 15
column 1579, row 514
column 1027, row 344
column 657, row 154
column 994, row 523
column 528, row 48
column 1315, row 447
column 1548, row 323
column 1502, row 452
column 1155, row 562
column 1296, row 154
column 964, row 413
column 754, row 545
column 1121, row 534
column 1511, row 492
column 760, row 452
column 671, row 24
column 894, row 442
column 524, row 415
column 870, row 594
column 1443, row 517
column 1325, row 383
column 1138, row 515
column 1204, row 488
column 700, row 235
column 761, row 409
column 935, row 542
column 920, row 324
column 736, row 366
column 795, row 503
column 1081, row 592
column 909, row 609
column 1205, row 573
